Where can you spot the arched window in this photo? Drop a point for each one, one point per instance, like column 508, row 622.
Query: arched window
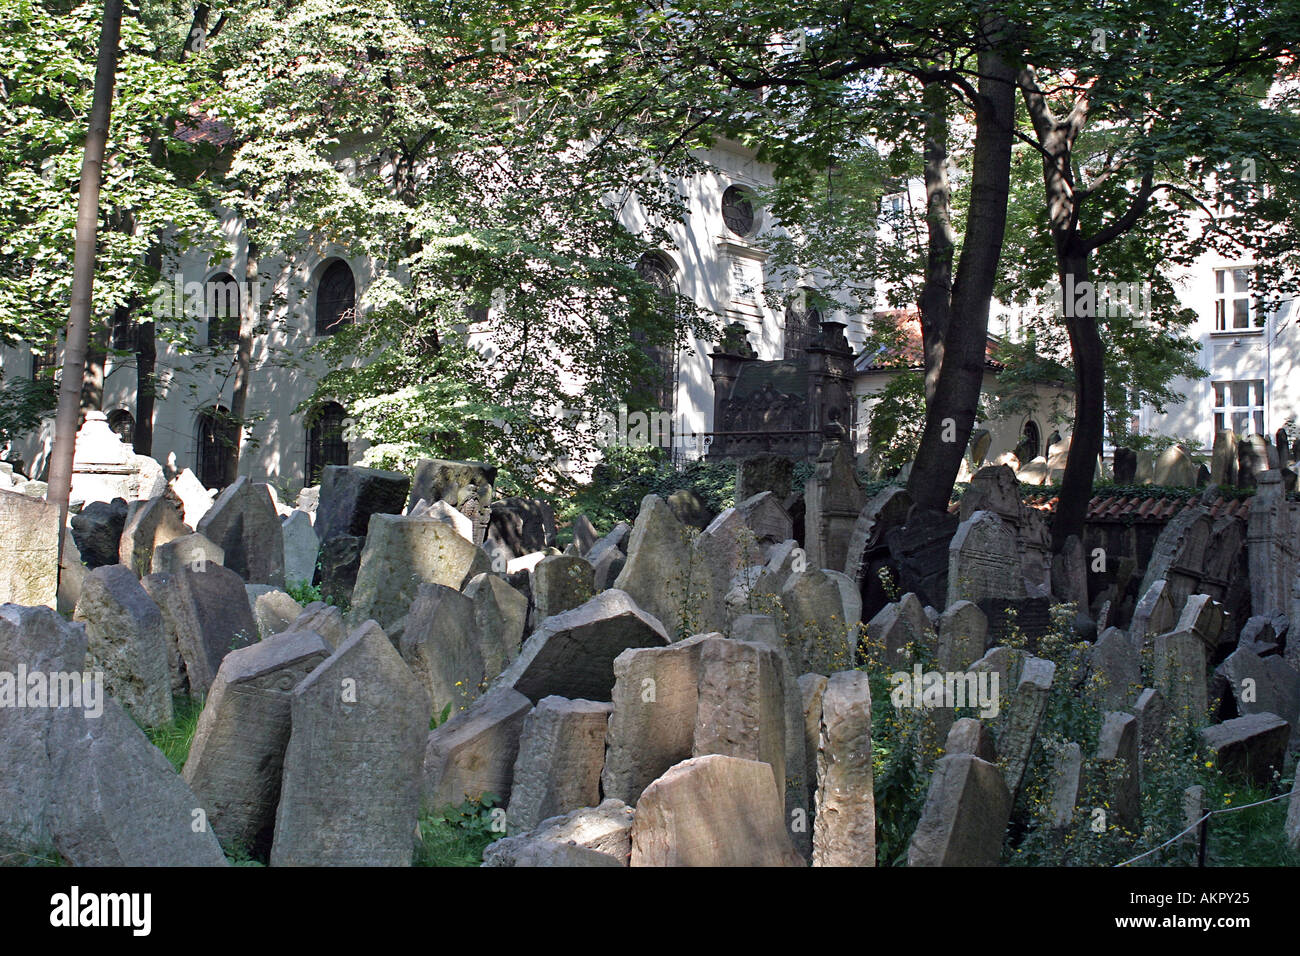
column 221, row 306
column 336, row 298
column 325, row 442
column 121, row 330
column 802, row 322
column 1031, row 443
column 660, row 271
column 738, row 210
column 216, row 442
column 122, row 424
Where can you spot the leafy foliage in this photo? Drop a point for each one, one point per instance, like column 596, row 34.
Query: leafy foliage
column 628, row 474
column 457, row 836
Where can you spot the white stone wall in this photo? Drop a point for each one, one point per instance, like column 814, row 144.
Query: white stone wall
column 1270, row 354
column 712, row 265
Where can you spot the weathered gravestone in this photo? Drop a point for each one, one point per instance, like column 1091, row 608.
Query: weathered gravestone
column 1125, row 466
column 441, row 646
column 656, row 697
column 963, row 636
column 1178, row 666
column 474, row 752
column 1117, row 765
column 500, row 614
column 561, row 752
column 196, row 501
column 445, row 513
column 984, row 560
column 205, row 615
column 605, row 829
column 148, row 524
column 117, row 801
column 521, row 526
column 188, row 551
column 403, row 553
column 1115, row 669
column 1252, row 458
column 817, row 637
column 1251, row 747
column 844, row 832
column 1223, row 467
column 236, row 758
column 655, row 573
column 800, row 768
column 301, row 548
column 1174, row 469
column 97, row 529
column 1152, row 714
column 438, row 479
column 349, row 495
column 351, row 784
column 124, row 628
column 561, row 583
column 1018, row 727
column 901, row 631
column 243, row 522
column 572, row 654
column 33, row 640
column 967, row 735
column 690, row 508
column 713, row 810
column 1155, row 614
column 965, row 815
column 741, row 705
column 1246, row 683
column 1271, row 547
column 833, row 498
column 273, row 610
column 323, row 619
column 758, row 473
column 340, row 560
column 1067, row 772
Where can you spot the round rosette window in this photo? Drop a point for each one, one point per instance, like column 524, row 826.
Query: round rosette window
column 738, row 210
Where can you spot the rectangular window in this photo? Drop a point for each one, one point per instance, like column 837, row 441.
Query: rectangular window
column 45, row 359
column 1234, row 308
column 1239, row 406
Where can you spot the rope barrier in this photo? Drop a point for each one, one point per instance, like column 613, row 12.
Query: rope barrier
column 1205, row 817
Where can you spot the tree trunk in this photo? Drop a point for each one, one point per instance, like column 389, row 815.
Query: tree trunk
column 936, row 294
column 1089, row 397
column 146, row 341
column 951, row 415
column 83, row 268
column 248, row 316
column 146, row 363
column 92, row 384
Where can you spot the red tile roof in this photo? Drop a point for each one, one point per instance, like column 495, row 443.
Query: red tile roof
column 1154, row 507
column 912, row 354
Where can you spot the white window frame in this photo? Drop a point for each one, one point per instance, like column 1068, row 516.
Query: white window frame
column 1226, row 297
column 1226, row 407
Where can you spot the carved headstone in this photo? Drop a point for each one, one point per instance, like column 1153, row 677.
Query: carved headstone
column 351, row 784
column 235, row 760
column 243, row 522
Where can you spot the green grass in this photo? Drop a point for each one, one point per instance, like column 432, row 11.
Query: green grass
column 47, row 856
column 457, row 836
column 174, row 738
column 1253, row 837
